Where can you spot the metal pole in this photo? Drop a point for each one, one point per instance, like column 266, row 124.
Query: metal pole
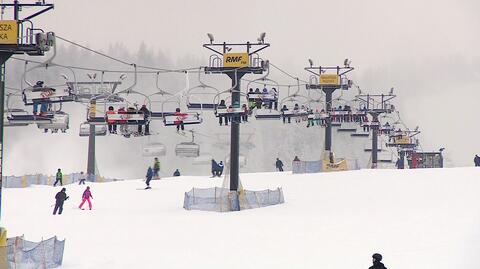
column 91, row 145
column 235, row 132
column 374, row 140
column 3, row 58
column 328, row 128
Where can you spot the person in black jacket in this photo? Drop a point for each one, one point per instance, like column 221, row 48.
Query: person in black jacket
column 146, row 114
column 279, row 165
column 377, row 258
column 176, row 173
column 476, row 160
column 214, row 168
column 60, row 197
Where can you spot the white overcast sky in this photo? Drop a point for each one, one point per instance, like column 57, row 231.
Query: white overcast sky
column 428, row 49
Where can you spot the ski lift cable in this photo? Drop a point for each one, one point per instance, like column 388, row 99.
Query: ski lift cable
column 288, row 74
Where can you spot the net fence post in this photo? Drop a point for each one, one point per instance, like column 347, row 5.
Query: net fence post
column 193, row 195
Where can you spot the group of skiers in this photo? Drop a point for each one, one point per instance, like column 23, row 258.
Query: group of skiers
column 228, row 116
column 266, row 98
column 217, row 168
column 62, row 196
column 112, row 124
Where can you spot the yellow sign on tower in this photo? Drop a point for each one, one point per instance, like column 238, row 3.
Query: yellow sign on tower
column 329, row 79
column 236, row 59
column 8, row 32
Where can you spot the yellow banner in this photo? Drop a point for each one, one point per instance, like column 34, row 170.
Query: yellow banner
column 236, row 60
column 93, row 110
column 403, row 140
column 334, row 167
column 329, row 79
column 8, row 32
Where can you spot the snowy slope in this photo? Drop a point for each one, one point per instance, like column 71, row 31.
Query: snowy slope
column 416, row 219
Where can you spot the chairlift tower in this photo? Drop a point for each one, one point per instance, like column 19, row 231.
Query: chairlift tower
column 92, row 93
column 235, row 65
column 18, row 36
column 376, row 104
column 328, row 79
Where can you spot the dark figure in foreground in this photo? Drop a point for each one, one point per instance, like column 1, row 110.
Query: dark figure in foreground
column 214, row 167
column 60, row 197
column 58, row 178
column 219, row 169
column 149, row 177
column 176, row 173
column 279, row 165
column 476, row 160
column 377, row 258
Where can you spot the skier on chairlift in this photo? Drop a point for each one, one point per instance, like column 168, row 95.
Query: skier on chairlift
column 222, row 105
column 179, row 121
column 112, row 127
column 146, row 114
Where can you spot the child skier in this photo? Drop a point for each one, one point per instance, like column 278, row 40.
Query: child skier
column 86, row 197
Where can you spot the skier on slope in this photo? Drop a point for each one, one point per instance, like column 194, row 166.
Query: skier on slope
column 149, row 177
column 220, row 169
column 156, row 168
column 60, row 198
column 476, row 160
column 377, row 258
column 86, row 198
column 81, row 178
column 279, row 165
column 176, row 173
column 214, row 168
column 58, row 178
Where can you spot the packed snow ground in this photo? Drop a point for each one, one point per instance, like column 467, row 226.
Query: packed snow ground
column 416, row 218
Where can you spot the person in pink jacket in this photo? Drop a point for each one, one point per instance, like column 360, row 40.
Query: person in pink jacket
column 86, row 197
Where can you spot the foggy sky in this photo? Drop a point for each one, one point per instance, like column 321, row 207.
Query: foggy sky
column 427, row 50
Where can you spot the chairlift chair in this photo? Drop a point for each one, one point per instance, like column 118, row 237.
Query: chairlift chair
column 187, row 150
column 360, row 133
column 9, row 118
column 199, row 90
column 187, row 118
column 59, row 121
column 385, row 157
column 100, row 130
column 348, row 127
column 154, row 149
column 37, row 95
column 267, row 114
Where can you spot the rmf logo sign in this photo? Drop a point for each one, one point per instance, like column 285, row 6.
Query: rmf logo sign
column 236, row 59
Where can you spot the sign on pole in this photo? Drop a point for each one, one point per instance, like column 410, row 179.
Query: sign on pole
column 8, row 32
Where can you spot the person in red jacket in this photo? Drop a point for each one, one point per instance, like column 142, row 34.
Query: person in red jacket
column 179, row 119
column 86, row 197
